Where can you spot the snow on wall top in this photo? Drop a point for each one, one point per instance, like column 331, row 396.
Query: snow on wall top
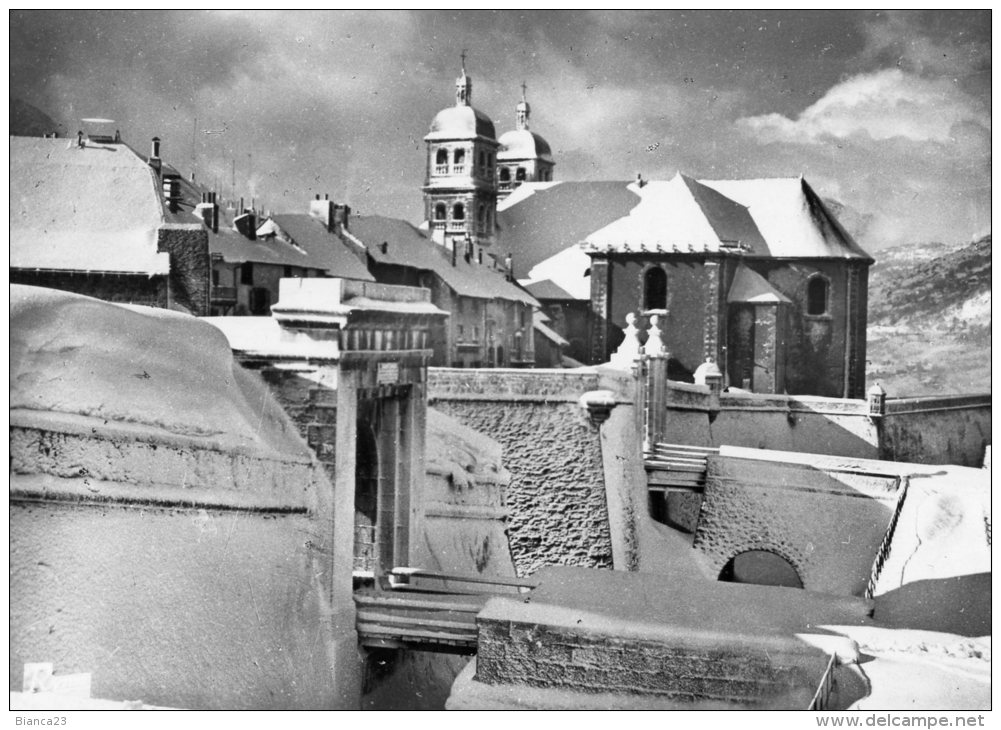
column 95, row 208
column 151, row 369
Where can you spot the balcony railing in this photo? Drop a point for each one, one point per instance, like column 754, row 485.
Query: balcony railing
column 223, row 294
column 454, row 226
column 441, row 169
column 458, row 169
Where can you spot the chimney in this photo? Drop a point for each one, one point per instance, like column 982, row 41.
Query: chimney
column 79, row 138
column 154, row 157
column 323, row 211
column 453, row 252
column 246, row 224
column 469, row 249
column 384, row 246
column 509, row 267
column 208, row 211
column 639, row 180
column 341, row 215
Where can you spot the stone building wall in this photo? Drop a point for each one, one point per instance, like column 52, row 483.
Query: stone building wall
column 941, row 430
column 556, row 497
column 190, row 268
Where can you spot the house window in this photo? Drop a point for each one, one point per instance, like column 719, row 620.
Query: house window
column 481, row 219
column 817, row 290
column 483, row 159
column 505, row 174
column 247, row 274
column 459, row 332
column 439, row 212
column 288, row 272
column 459, row 212
column 520, row 174
column 655, row 288
column 459, row 158
column 215, row 277
column 441, row 158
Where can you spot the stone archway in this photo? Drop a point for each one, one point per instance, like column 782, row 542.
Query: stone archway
column 761, row 567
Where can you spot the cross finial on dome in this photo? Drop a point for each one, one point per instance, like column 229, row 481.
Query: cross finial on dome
column 522, row 110
column 463, row 85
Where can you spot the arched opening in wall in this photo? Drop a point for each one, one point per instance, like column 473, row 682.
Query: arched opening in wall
column 520, row 174
column 655, row 288
column 441, row 157
column 817, row 290
column 440, row 212
column 459, row 157
column 505, row 174
column 458, row 212
column 761, row 567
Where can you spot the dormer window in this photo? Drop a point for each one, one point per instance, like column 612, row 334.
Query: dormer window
column 817, row 295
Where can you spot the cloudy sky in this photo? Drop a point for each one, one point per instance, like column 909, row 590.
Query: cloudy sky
column 888, row 113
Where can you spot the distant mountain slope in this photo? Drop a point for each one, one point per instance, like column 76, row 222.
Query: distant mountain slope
column 930, row 319
column 29, row 121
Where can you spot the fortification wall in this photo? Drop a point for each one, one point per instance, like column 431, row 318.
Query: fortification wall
column 937, row 430
column 172, row 574
column 556, row 496
column 826, row 520
column 943, row 430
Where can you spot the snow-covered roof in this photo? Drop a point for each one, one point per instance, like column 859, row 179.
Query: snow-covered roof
column 539, row 322
column 778, row 218
column 150, row 371
column 394, row 242
column 751, row 288
column 791, row 217
column 93, row 208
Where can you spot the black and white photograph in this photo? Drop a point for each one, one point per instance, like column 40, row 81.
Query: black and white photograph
column 492, row 360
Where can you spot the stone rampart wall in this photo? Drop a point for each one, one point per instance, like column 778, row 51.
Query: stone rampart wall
column 826, row 522
column 556, row 497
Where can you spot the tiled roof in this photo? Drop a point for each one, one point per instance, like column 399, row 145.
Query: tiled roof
column 547, row 289
column 539, row 220
column 539, row 322
column 407, row 247
column 322, row 247
column 95, row 208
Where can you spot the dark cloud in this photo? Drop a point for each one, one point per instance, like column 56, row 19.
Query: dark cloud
column 338, row 102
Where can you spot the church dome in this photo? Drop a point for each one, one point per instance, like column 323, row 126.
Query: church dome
column 521, row 144
column 461, row 122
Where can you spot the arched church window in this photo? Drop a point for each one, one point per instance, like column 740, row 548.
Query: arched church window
column 458, row 212
column 655, row 288
column 439, row 212
column 505, row 174
column 520, row 174
column 817, row 290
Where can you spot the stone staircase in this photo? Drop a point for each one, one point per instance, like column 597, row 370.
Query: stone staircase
column 676, row 467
